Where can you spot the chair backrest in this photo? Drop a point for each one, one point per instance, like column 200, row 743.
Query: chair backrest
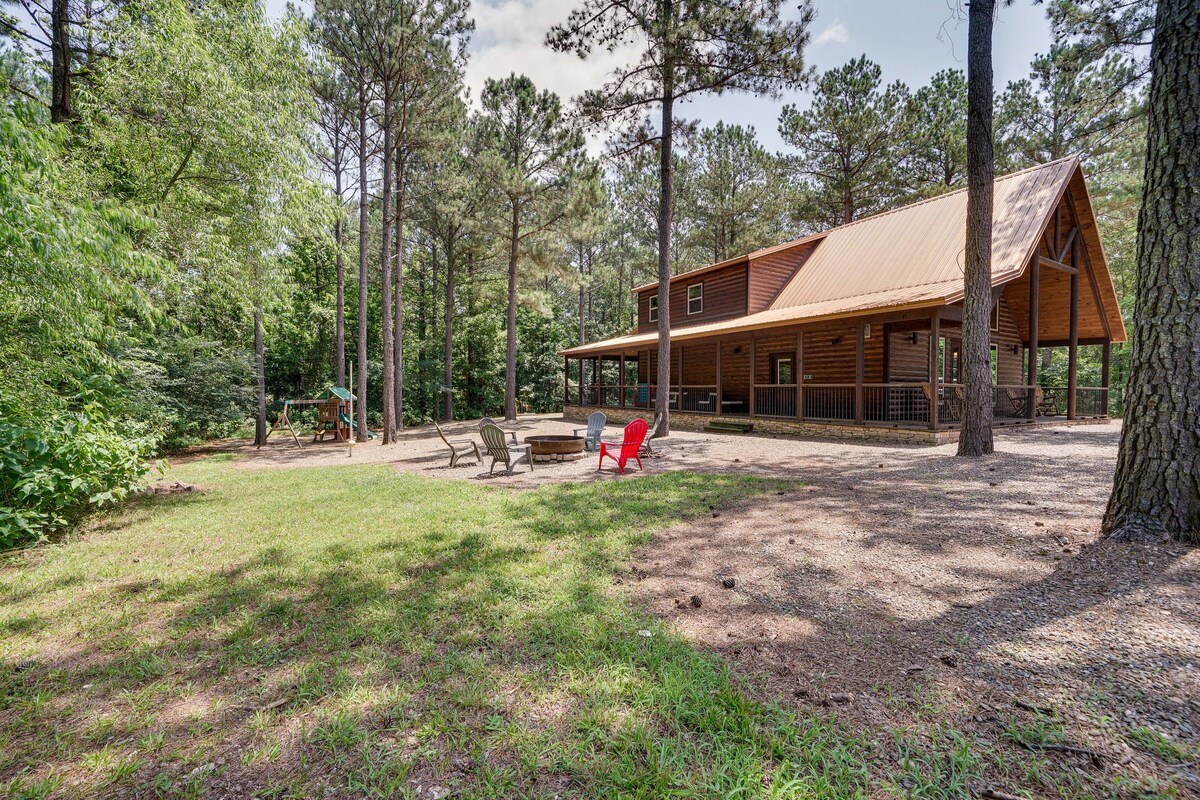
column 485, row 422
column 441, row 433
column 493, row 439
column 635, row 434
column 596, row 422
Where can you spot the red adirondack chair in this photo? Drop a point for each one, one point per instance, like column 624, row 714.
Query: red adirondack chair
column 629, row 447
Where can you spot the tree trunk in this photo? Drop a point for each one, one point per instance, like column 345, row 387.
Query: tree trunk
column 339, row 333
column 385, row 289
column 448, row 346
column 398, row 323
column 975, row 438
column 260, row 379
column 363, row 282
column 662, row 415
column 510, row 357
column 60, row 62
column 1156, row 492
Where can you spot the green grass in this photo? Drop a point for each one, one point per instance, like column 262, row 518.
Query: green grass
column 359, row 632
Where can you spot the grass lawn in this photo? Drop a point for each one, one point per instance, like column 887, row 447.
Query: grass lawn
column 358, row 632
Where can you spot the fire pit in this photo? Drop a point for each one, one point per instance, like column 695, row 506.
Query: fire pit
column 554, row 448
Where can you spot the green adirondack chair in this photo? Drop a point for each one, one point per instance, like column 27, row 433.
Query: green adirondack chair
column 503, row 451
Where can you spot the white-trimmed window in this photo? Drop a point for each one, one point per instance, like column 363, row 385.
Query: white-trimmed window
column 695, row 298
column 996, row 317
column 652, row 313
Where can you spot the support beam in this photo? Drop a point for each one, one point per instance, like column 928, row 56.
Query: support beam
column 580, row 364
column 566, row 380
column 859, row 369
column 1105, row 365
column 621, row 380
column 1058, row 265
column 720, row 347
column 935, row 334
column 1034, row 281
column 799, row 369
column 1073, row 352
column 753, row 368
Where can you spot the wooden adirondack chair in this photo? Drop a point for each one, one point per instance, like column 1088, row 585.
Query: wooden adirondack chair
column 483, row 423
column 595, row 428
column 459, row 447
column 629, row 447
column 503, row 451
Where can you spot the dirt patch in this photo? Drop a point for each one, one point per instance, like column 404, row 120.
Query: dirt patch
column 908, row 588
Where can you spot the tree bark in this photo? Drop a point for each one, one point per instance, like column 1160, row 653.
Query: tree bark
column 448, row 347
column 975, row 437
column 60, row 62
column 339, row 333
column 363, row 275
column 260, row 379
column 1156, row 491
column 385, row 289
column 510, row 355
column 398, row 322
column 662, row 414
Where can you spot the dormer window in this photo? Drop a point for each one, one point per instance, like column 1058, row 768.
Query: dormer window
column 695, row 298
column 653, row 313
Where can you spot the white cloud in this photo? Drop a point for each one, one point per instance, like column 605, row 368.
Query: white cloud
column 835, row 32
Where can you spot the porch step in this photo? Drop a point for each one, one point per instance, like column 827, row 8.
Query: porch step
column 722, row 426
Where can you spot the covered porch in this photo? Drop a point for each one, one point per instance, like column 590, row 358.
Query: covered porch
column 900, row 370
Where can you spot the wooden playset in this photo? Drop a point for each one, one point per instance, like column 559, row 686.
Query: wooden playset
column 333, row 416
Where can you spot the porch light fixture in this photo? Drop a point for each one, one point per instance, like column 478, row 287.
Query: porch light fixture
column 1014, row 349
column 912, row 337
column 833, row 342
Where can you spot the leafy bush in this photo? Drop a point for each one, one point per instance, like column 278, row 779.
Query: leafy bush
column 53, row 469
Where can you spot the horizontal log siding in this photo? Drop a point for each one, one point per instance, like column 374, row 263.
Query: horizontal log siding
column 724, row 298
column 770, row 273
column 908, row 362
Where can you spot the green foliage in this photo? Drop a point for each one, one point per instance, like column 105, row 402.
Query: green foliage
column 57, row 465
column 849, row 143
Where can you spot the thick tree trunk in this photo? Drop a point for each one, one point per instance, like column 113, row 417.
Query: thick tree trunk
column 339, row 332
column 662, row 414
column 1156, row 492
column 260, row 379
column 385, row 289
column 398, row 323
column 448, row 346
column 60, row 62
column 510, row 354
column 975, row 438
column 363, row 276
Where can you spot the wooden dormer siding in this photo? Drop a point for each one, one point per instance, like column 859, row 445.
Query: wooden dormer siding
column 769, row 273
column 724, row 298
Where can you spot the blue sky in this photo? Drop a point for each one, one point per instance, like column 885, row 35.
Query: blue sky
column 910, row 39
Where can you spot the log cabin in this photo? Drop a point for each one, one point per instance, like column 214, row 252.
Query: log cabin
column 856, row 332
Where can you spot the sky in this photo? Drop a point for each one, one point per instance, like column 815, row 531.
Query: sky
column 910, row 39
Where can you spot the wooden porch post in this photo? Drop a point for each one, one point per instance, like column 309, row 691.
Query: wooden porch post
column 859, row 368
column 753, row 369
column 1073, row 352
column 720, row 347
column 621, row 382
column 1034, row 280
column 799, row 369
column 566, row 380
column 580, row 364
column 1105, row 364
column 935, row 334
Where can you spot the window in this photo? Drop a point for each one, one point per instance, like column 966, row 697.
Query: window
column 996, row 317
column 653, row 313
column 783, row 370
column 995, row 365
column 695, row 297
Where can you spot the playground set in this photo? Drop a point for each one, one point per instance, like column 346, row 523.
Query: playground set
column 334, row 416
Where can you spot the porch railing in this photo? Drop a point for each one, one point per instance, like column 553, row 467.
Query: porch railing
column 881, row 403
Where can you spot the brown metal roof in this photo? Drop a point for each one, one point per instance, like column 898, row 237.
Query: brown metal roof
column 909, row 257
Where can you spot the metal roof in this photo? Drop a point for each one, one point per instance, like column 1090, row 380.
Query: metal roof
column 909, row 257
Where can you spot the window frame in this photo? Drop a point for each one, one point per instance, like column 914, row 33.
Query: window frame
column 995, row 319
column 652, row 308
column 689, row 298
column 778, row 360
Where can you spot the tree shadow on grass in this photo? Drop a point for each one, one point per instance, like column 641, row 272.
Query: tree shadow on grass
column 492, row 658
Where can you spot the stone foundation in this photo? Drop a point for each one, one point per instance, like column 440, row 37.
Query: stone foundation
column 821, row 430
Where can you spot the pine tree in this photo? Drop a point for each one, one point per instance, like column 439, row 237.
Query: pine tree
column 689, row 48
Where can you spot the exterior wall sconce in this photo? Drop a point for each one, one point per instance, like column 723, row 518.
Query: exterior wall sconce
column 912, row 337
column 1014, row 348
column 834, row 341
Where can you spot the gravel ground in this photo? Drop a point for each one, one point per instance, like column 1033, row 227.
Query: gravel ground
column 905, row 587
